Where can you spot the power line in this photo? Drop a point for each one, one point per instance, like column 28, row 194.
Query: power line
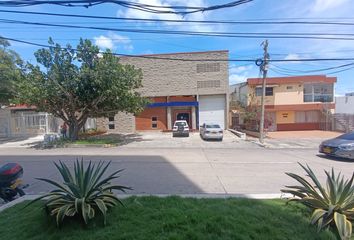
column 184, row 10
column 312, row 71
column 194, row 33
column 193, row 60
column 250, row 22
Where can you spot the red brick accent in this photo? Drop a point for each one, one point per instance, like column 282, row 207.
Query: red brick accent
column 300, row 107
column 158, row 99
column 297, row 79
column 298, row 126
column 143, row 121
column 182, row 99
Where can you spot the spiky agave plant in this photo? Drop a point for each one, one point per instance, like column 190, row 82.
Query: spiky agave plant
column 333, row 205
column 84, row 193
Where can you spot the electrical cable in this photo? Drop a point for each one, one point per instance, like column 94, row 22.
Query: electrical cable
column 252, row 22
column 311, row 71
column 192, row 60
column 193, row 33
column 158, row 9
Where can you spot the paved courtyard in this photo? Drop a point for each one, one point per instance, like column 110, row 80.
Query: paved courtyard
column 165, row 140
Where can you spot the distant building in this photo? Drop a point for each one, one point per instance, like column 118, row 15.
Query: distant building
column 291, row 103
column 345, row 104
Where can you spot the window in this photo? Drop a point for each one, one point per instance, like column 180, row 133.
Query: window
column 289, row 87
column 208, row 84
column 319, row 92
column 111, row 122
column 208, row 67
column 307, row 116
column 268, row 92
column 153, row 122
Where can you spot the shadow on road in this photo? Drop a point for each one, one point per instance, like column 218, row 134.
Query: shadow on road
column 145, row 174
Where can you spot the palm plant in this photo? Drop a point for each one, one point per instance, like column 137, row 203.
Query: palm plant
column 84, row 193
column 333, row 205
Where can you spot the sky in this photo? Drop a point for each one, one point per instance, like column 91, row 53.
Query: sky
column 239, row 48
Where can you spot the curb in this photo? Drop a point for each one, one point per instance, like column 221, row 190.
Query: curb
column 90, row 145
column 197, row 196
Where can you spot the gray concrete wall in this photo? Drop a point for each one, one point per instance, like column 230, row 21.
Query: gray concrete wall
column 170, row 77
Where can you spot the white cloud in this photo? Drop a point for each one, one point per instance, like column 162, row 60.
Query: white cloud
column 237, row 78
column 323, row 5
column 132, row 13
column 292, row 56
column 114, row 41
column 240, row 74
column 104, row 42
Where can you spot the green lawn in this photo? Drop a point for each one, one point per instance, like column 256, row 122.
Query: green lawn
column 97, row 141
column 171, row 218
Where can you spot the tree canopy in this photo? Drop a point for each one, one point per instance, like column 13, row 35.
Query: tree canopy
column 10, row 71
column 75, row 84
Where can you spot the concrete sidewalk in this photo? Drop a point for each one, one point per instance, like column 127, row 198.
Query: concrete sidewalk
column 296, row 139
column 21, row 142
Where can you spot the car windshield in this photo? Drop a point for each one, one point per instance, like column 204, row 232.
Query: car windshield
column 212, row 126
column 347, row 136
column 180, row 124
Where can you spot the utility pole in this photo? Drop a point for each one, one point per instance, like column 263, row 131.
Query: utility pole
column 264, row 69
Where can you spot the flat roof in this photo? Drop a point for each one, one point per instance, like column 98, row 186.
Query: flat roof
column 178, row 53
column 293, row 79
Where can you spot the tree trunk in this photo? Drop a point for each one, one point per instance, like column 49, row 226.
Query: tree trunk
column 74, row 130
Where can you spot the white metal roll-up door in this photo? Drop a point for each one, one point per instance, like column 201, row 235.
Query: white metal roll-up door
column 212, row 109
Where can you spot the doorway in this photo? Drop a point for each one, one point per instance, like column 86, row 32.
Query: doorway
column 182, row 114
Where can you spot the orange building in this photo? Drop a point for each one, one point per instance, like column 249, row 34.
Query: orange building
column 293, row 103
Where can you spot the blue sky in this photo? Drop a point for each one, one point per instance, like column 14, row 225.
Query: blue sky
column 134, row 43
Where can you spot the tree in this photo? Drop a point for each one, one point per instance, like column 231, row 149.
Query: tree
column 75, row 84
column 10, row 71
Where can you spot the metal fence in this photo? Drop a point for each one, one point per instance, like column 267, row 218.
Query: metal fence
column 27, row 124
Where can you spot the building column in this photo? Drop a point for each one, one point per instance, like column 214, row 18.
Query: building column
column 194, row 119
column 169, row 119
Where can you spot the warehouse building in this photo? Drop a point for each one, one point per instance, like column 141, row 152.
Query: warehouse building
column 191, row 86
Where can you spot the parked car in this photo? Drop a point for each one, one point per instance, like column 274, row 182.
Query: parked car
column 180, row 128
column 342, row 146
column 211, row 131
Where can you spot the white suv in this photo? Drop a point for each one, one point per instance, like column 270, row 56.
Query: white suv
column 180, row 128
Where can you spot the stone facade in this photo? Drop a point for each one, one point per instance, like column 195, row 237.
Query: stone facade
column 173, row 78
column 123, row 123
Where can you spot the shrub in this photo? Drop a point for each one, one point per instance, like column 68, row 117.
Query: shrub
column 83, row 194
column 332, row 205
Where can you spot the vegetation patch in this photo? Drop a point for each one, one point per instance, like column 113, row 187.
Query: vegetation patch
column 170, row 218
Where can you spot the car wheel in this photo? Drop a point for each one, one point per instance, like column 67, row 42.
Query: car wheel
column 220, row 139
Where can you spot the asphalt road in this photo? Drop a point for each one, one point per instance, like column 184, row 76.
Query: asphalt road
column 183, row 171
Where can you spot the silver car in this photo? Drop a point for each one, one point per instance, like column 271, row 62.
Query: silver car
column 342, row 146
column 211, row 131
